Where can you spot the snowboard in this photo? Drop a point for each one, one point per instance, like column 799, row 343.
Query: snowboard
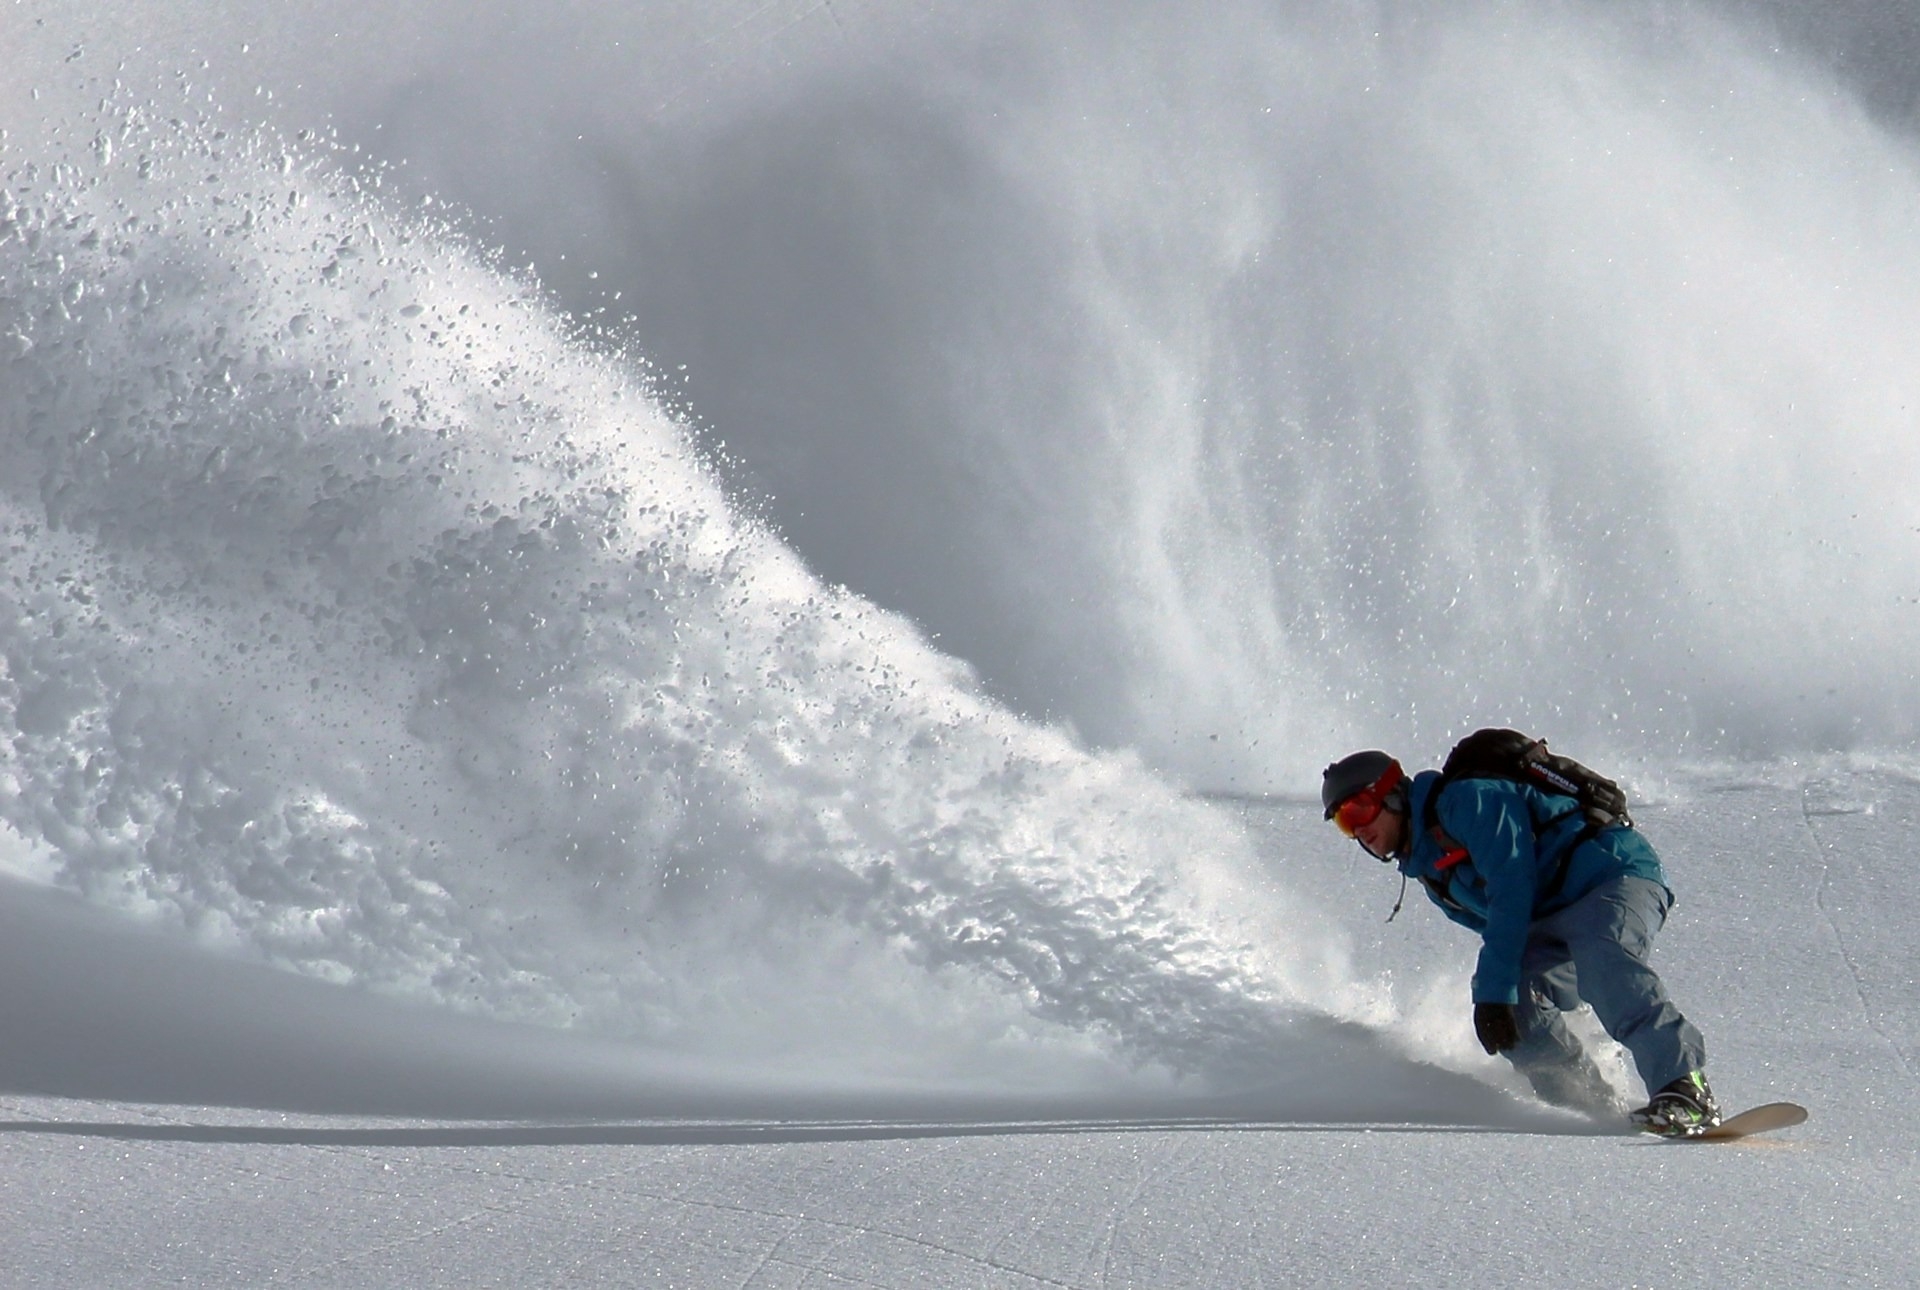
column 1759, row 1119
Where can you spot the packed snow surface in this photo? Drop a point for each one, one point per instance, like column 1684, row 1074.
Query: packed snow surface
column 691, row 644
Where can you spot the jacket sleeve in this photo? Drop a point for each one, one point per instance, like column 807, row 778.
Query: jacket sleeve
column 1490, row 819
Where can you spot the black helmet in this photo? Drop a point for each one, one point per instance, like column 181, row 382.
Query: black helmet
column 1355, row 773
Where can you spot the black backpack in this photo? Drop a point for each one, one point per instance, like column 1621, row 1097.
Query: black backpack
column 1508, row 754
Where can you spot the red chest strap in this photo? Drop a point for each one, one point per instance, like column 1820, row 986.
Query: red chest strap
column 1451, row 852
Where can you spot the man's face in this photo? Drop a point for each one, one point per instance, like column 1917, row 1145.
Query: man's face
column 1383, row 834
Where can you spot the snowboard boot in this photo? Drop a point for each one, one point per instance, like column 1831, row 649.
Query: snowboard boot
column 1683, row 1109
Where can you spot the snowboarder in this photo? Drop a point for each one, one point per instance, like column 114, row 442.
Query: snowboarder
column 1566, row 914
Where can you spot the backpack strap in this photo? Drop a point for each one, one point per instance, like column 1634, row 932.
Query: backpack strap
column 1453, row 852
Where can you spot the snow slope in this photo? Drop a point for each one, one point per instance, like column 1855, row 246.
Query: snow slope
column 1790, row 945
column 763, row 731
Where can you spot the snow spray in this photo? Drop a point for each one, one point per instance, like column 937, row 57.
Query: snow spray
column 360, row 618
column 1228, row 396
column 1312, row 377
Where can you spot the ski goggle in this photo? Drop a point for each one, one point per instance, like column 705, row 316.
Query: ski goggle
column 1358, row 811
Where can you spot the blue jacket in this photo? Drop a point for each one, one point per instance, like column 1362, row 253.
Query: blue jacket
column 1499, row 888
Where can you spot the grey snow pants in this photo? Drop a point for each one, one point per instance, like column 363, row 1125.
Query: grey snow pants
column 1595, row 952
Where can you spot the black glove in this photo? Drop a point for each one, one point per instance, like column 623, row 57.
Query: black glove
column 1496, row 1025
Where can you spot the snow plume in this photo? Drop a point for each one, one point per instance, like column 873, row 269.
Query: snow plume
column 1308, row 377
column 359, row 619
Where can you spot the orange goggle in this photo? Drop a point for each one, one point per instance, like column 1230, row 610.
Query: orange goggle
column 1358, row 811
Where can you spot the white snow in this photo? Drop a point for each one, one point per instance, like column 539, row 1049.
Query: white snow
column 461, row 823
column 1790, row 947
